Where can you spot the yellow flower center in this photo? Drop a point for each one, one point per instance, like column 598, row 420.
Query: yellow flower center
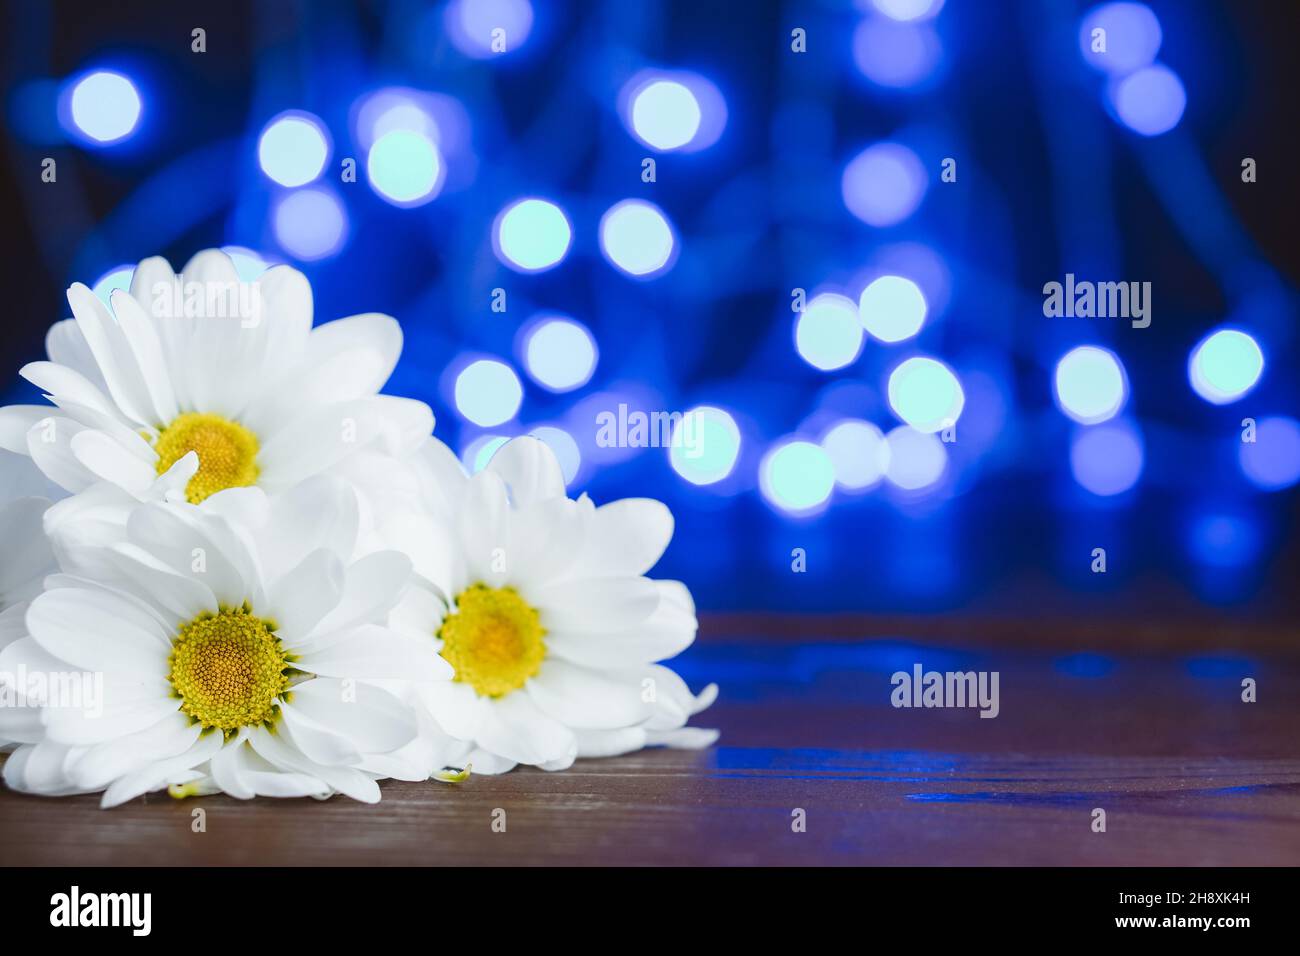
column 494, row 640
column 227, row 452
column 229, row 670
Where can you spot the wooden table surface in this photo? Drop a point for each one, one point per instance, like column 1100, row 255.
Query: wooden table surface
column 1187, row 773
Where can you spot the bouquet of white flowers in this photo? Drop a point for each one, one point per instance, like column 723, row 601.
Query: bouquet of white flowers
column 231, row 565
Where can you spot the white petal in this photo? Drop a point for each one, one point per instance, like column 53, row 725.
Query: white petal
column 113, row 356
column 318, row 437
column 530, row 469
column 342, row 360
column 287, row 311
column 486, row 763
column 595, row 604
column 299, row 599
column 50, row 445
column 243, row 507
column 666, row 633
column 228, row 771
column 432, row 547
column 579, row 697
column 674, row 702
column 441, row 476
column 41, row 768
column 142, row 339
column 455, row 706
column 371, row 652
column 372, row 587
column 609, row 743
column 77, row 727
column 178, row 598
column 682, row 738
column 626, row 538
column 199, row 547
column 155, row 775
column 561, row 763
column 20, row 478
column 102, row 764
column 16, row 421
column 20, row 723
column 28, row 557
column 545, row 540
column 65, row 345
column 346, row 780
column 369, row 718
column 97, row 631
column 420, row 611
column 241, row 772
column 148, row 275
column 81, row 527
column 319, row 513
column 514, row 727
column 317, row 743
column 110, row 461
column 210, row 267
column 282, row 325
column 63, row 384
column 483, row 528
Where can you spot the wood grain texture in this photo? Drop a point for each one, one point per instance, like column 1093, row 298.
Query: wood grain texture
column 1188, row 775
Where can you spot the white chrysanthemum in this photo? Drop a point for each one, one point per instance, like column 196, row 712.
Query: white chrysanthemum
column 204, row 362
column 236, row 643
column 544, row 611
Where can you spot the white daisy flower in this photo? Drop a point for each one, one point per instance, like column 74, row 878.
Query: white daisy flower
column 542, row 606
column 202, row 362
column 231, row 648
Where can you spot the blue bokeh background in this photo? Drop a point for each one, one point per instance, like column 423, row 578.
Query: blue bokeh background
column 1052, row 178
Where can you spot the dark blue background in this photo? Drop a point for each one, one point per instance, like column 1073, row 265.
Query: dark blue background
column 1048, row 184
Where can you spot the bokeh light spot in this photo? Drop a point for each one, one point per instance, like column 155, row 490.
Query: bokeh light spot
column 1225, row 365
column 310, row 224
column 532, row 235
column 474, row 26
column 488, row 392
column 560, row 354
column 892, row 308
column 1131, row 37
column 908, row 10
column 1272, row 460
column 1150, row 101
column 858, row 453
column 704, row 445
column 105, row 106
column 895, row 54
column 917, row 460
column 293, row 149
column 665, row 115
column 1107, row 459
column 1090, row 384
column 405, row 168
column 637, row 238
column 796, row 477
column 828, row 334
column 884, row 184
column 926, row 394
